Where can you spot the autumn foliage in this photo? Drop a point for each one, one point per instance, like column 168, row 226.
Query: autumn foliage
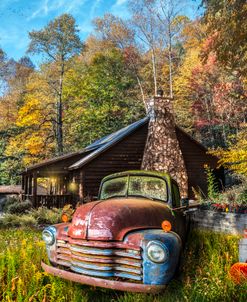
column 84, row 90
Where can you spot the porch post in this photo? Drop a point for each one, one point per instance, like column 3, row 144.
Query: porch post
column 25, row 184
column 35, row 189
column 22, row 182
column 30, row 185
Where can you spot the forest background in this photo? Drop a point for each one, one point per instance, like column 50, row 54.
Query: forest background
column 84, row 90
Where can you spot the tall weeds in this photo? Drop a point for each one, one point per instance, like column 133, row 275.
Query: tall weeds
column 203, row 277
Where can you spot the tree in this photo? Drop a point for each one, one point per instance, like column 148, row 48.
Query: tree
column 146, row 27
column 3, row 70
column 118, row 32
column 59, row 42
column 35, row 121
column 227, row 26
column 192, row 38
column 158, row 24
column 100, row 97
column 235, row 157
column 2, row 59
column 171, row 24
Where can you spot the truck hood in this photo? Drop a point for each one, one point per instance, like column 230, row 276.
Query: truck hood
column 112, row 219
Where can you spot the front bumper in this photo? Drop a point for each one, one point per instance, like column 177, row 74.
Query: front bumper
column 117, row 285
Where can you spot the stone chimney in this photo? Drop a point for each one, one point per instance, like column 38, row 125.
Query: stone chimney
column 162, row 151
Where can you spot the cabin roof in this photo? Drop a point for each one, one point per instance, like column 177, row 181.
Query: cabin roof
column 101, row 145
column 108, row 141
column 12, row 189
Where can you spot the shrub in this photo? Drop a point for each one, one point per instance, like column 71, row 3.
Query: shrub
column 20, row 207
column 44, row 215
column 13, row 220
column 10, row 200
column 20, row 215
column 242, row 198
column 233, row 199
column 213, row 190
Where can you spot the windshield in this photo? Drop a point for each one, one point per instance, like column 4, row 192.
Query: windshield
column 144, row 186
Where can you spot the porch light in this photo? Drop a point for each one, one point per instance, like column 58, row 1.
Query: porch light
column 72, row 187
column 53, row 180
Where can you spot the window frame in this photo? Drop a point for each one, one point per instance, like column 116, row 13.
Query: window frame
column 140, row 196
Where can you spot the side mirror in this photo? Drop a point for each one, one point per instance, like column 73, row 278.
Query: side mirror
column 185, row 202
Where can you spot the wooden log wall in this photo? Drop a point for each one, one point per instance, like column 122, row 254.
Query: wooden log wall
column 128, row 153
column 125, row 155
column 195, row 158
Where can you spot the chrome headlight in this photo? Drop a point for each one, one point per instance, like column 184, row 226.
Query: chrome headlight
column 49, row 235
column 157, row 252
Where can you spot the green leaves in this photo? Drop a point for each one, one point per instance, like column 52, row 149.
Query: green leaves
column 59, row 40
column 101, row 97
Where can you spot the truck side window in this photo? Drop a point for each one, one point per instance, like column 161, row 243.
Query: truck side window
column 176, row 195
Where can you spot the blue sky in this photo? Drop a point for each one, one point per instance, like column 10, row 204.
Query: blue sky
column 18, row 17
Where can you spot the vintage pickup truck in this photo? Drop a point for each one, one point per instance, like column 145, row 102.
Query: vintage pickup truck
column 130, row 239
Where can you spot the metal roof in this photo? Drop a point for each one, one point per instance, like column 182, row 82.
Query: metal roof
column 108, row 141
column 12, row 189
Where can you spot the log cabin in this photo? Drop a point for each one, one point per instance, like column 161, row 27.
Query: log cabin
column 76, row 177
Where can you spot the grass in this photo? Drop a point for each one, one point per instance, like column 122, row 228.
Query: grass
column 204, row 274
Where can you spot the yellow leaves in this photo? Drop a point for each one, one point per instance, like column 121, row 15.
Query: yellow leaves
column 235, row 158
column 39, row 103
column 34, row 118
column 35, row 143
column 29, row 114
column 29, row 145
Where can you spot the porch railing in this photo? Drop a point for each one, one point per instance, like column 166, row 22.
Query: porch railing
column 50, row 201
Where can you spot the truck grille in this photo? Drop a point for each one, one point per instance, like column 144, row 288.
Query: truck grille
column 100, row 262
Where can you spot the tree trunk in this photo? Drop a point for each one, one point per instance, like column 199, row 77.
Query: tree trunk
column 154, row 72
column 170, row 66
column 162, row 151
column 60, row 116
column 141, row 89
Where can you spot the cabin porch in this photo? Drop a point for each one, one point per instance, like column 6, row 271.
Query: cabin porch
column 50, row 190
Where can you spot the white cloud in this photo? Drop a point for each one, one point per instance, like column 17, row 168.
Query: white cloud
column 120, row 2
column 49, row 6
column 41, row 10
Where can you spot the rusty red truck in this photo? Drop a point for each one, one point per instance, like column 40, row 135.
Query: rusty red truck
column 129, row 239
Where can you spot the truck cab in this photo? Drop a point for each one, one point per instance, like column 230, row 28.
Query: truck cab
column 129, row 239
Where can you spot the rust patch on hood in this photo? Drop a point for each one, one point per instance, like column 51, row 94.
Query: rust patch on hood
column 112, row 219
